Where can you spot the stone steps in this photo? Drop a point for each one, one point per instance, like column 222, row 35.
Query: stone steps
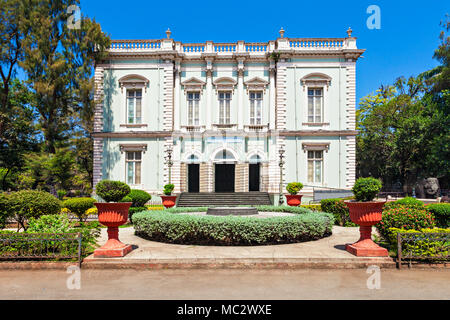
column 223, row 199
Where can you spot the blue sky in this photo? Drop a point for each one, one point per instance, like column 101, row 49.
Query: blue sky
column 403, row 46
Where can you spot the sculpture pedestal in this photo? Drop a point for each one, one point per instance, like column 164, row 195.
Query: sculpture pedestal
column 365, row 247
column 113, row 248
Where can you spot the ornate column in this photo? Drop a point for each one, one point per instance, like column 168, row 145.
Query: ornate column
column 240, row 111
column 272, row 92
column 177, row 92
column 209, row 71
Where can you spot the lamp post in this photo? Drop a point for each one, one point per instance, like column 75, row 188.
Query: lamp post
column 281, row 152
column 169, row 161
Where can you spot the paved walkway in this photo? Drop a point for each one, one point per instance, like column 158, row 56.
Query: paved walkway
column 329, row 251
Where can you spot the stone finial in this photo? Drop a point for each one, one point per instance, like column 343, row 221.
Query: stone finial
column 349, row 32
column 168, row 33
column 281, row 32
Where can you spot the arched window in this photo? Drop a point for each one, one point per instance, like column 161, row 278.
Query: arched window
column 255, row 159
column 192, row 159
column 224, row 155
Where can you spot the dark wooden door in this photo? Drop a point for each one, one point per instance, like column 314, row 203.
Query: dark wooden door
column 194, row 178
column 254, row 177
column 225, row 175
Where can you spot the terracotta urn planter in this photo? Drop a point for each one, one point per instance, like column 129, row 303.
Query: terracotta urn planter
column 169, row 201
column 366, row 215
column 294, row 200
column 113, row 215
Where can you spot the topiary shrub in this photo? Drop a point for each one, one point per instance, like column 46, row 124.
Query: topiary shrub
column 340, row 211
column 112, row 191
column 28, row 204
column 441, row 213
column 366, row 189
column 408, row 202
column 79, row 206
column 139, row 197
column 170, row 227
column 168, row 189
column 294, row 187
column 405, row 218
column 126, row 199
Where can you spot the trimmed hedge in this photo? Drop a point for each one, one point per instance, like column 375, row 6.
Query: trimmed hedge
column 139, row 197
column 134, row 210
column 409, row 202
column 79, row 206
column 172, row 227
column 340, row 211
column 441, row 213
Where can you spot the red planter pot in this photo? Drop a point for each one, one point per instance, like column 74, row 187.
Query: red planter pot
column 366, row 215
column 294, row 200
column 113, row 215
column 169, row 201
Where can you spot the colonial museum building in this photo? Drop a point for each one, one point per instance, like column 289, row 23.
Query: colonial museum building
column 221, row 117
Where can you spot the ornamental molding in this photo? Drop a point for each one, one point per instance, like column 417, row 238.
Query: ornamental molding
column 225, row 84
column 133, row 81
column 133, row 147
column 312, row 146
column 256, row 83
column 315, row 79
column 193, row 84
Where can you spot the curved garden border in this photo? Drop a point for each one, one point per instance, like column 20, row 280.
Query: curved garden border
column 172, row 226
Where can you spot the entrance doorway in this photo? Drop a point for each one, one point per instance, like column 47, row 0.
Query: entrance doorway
column 224, row 177
column 254, row 177
column 194, row 178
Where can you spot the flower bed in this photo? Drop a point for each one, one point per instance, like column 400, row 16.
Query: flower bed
column 173, row 226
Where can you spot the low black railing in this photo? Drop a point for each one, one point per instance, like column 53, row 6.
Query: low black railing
column 423, row 246
column 40, row 246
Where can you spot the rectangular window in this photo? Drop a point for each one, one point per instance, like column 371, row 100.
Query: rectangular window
column 133, row 164
column 224, row 107
column 256, row 99
column 315, row 105
column 134, row 106
column 193, row 108
column 315, row 166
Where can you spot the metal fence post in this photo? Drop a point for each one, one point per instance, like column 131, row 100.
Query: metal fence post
column 79, row 249
column 399, row 249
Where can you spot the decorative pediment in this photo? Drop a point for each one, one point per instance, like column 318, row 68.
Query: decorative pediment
column 315, row 79
column 225, row 84
column 193, row 84
column 256, row 84
column 133, row 81
column 133, row 147
column 315, row 146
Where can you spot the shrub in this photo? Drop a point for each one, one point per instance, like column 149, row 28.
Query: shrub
column 126, row 199
column 170, row 227
column 139, row 198
column 134, row 210
column 92, row 211
column 28, row 204
column 339, row 210
column 294, row 187
column 427, row 248
column 405, row 218
column 441, row 213
column 408, row 202
column 5, row 210
column 112, row 191
column 79, row 206
column 168, row 189
column 312, row 207
column 366, row 189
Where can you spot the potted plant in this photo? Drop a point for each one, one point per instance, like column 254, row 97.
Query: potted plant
column 293, row 198
column 366, row 212
column 112, row 214
column 168, row 200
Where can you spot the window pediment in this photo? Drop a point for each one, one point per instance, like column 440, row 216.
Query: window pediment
column 256, row 84
column 315, row 146
column 133, row 147
column 133, row 81
column 225, row 84
column 193, row 84
column 315, row 79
